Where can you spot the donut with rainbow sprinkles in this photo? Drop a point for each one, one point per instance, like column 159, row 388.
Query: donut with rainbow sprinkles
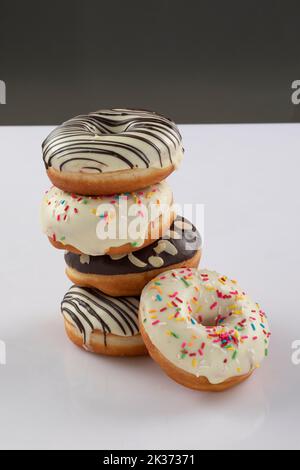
column 202, row 329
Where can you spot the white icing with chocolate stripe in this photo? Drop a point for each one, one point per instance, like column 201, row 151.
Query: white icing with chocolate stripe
column 203, row 323
column 117, row 257
column 84, row 259
column 156, row 261
column 113, row 140
column 90, row 310
column 93, row 225
column 167, row 246
column 137, row 262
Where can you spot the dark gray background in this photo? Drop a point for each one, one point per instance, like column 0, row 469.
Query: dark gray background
column 194, row 60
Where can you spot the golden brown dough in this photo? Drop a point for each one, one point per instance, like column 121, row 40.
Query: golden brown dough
column 116, row 345
column 125, row 284
column 185, row 378
column 108, row 183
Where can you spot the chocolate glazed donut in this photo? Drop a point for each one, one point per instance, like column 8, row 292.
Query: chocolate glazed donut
column 112, row 151
column 127, row 275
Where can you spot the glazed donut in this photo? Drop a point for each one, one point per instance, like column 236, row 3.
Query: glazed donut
column 202, row 329
column 112, row 225
column 101, row 324
column 128, row 274
column 112, row 151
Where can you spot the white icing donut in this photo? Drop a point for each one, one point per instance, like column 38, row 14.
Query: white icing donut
column 90, row 310
column 84, row 222
column 102, row 324
column 203, row 323
column 113, row 140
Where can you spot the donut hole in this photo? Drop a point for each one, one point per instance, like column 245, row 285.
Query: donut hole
column 211, row 321
column 207, row 322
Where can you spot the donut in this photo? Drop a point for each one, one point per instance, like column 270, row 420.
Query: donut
column 202, row 329
column 112, row 151
column 102, row 324
column 128, row 274
column 113, row 225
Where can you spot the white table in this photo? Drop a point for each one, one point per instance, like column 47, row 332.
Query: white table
column 54, row 395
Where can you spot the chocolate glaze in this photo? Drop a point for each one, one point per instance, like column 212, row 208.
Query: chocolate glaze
column 184, row 248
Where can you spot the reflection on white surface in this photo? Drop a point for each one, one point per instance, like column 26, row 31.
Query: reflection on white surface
column 53, row 395
column 146, row 395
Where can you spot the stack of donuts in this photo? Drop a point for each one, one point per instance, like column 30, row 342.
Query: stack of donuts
column 133, row 261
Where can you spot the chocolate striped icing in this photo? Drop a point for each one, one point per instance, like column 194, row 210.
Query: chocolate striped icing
column 89, row 310
column 113, row 140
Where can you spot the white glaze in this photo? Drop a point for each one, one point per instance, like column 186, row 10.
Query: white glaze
column 113, row 140
column 135, row 261
column 84, row 259
column 165, row 246
column 180, row 310
column 80, row 221
column 156, row 261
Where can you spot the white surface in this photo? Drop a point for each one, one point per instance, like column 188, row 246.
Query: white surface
column 55, row 396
